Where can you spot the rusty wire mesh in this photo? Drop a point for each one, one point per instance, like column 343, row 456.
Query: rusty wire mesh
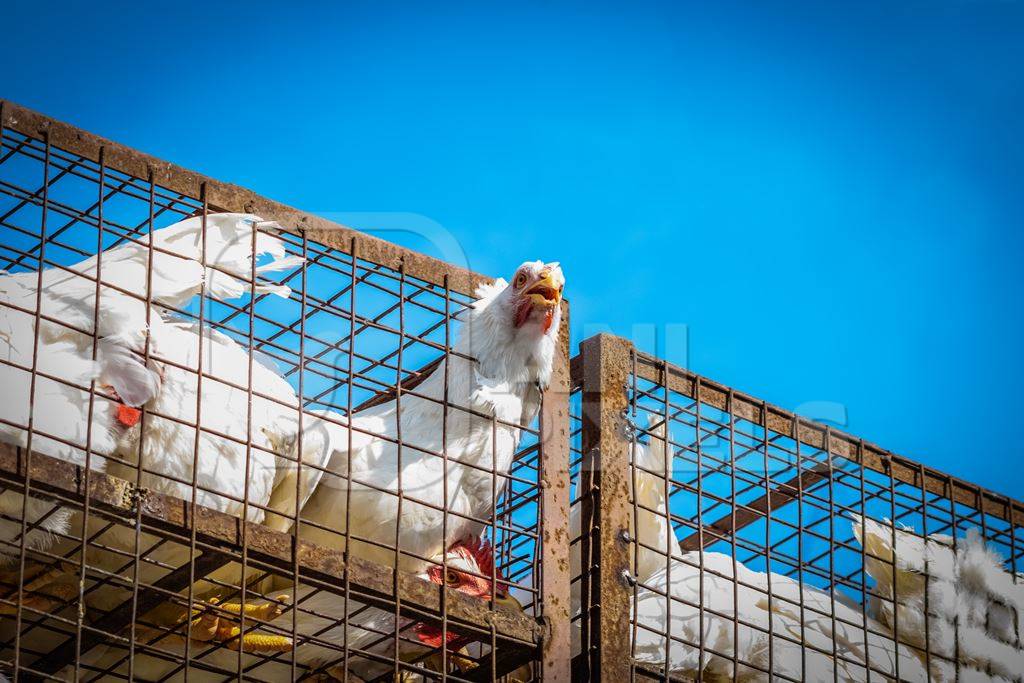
column 351, row 331
column 757, row 493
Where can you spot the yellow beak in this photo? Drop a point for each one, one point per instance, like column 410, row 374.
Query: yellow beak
column 547, row 291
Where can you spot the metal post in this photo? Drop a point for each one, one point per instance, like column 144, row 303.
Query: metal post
column 554, row 504
column 605, row 508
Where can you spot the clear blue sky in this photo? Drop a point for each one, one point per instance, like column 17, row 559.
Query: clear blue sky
column 830, row 197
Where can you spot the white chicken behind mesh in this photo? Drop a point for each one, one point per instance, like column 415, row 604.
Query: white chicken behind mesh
column 801, row 644
column 708, row 604
column 956, row 599
column 495, row 374
column 248, row 413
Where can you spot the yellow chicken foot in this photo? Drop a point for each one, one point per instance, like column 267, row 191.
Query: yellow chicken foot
column 212, row 627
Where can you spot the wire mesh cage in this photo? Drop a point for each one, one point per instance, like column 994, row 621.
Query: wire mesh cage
column 203, row 469
column 716, row 536
column 203, row 472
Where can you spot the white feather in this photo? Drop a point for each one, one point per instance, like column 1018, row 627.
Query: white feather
column 63, row 344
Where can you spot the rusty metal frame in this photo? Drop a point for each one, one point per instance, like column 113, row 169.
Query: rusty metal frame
column 605, row 511
column 554, row 525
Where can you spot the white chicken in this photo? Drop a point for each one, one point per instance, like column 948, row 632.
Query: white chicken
column 954, row 598
column 248, row 416
column 494, row 377
column 230, row 476
column 652, row 530
column 58, row 405
column 802, row 642
column 707, row 605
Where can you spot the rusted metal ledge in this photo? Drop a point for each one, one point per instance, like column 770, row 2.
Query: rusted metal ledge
column 229, row 197
column 374, row 583
column 839, row 443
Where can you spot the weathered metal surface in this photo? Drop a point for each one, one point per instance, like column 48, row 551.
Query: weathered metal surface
column 222, row 532
column 839, row 443
column 554, row 494
column 228, row 197
column 605, row 511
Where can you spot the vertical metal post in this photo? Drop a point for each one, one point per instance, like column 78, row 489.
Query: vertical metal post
column 553, row 475
column 605, row 508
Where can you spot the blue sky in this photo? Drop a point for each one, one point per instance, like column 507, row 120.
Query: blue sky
column 827, row 197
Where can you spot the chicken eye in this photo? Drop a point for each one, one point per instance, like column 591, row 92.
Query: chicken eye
column 451, row 578
column 520, row 280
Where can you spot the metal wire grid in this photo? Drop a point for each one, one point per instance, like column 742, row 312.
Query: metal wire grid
column 756, row 484
column 349, row 330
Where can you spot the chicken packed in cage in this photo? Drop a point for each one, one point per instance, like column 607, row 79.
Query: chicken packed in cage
column 111, row 376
